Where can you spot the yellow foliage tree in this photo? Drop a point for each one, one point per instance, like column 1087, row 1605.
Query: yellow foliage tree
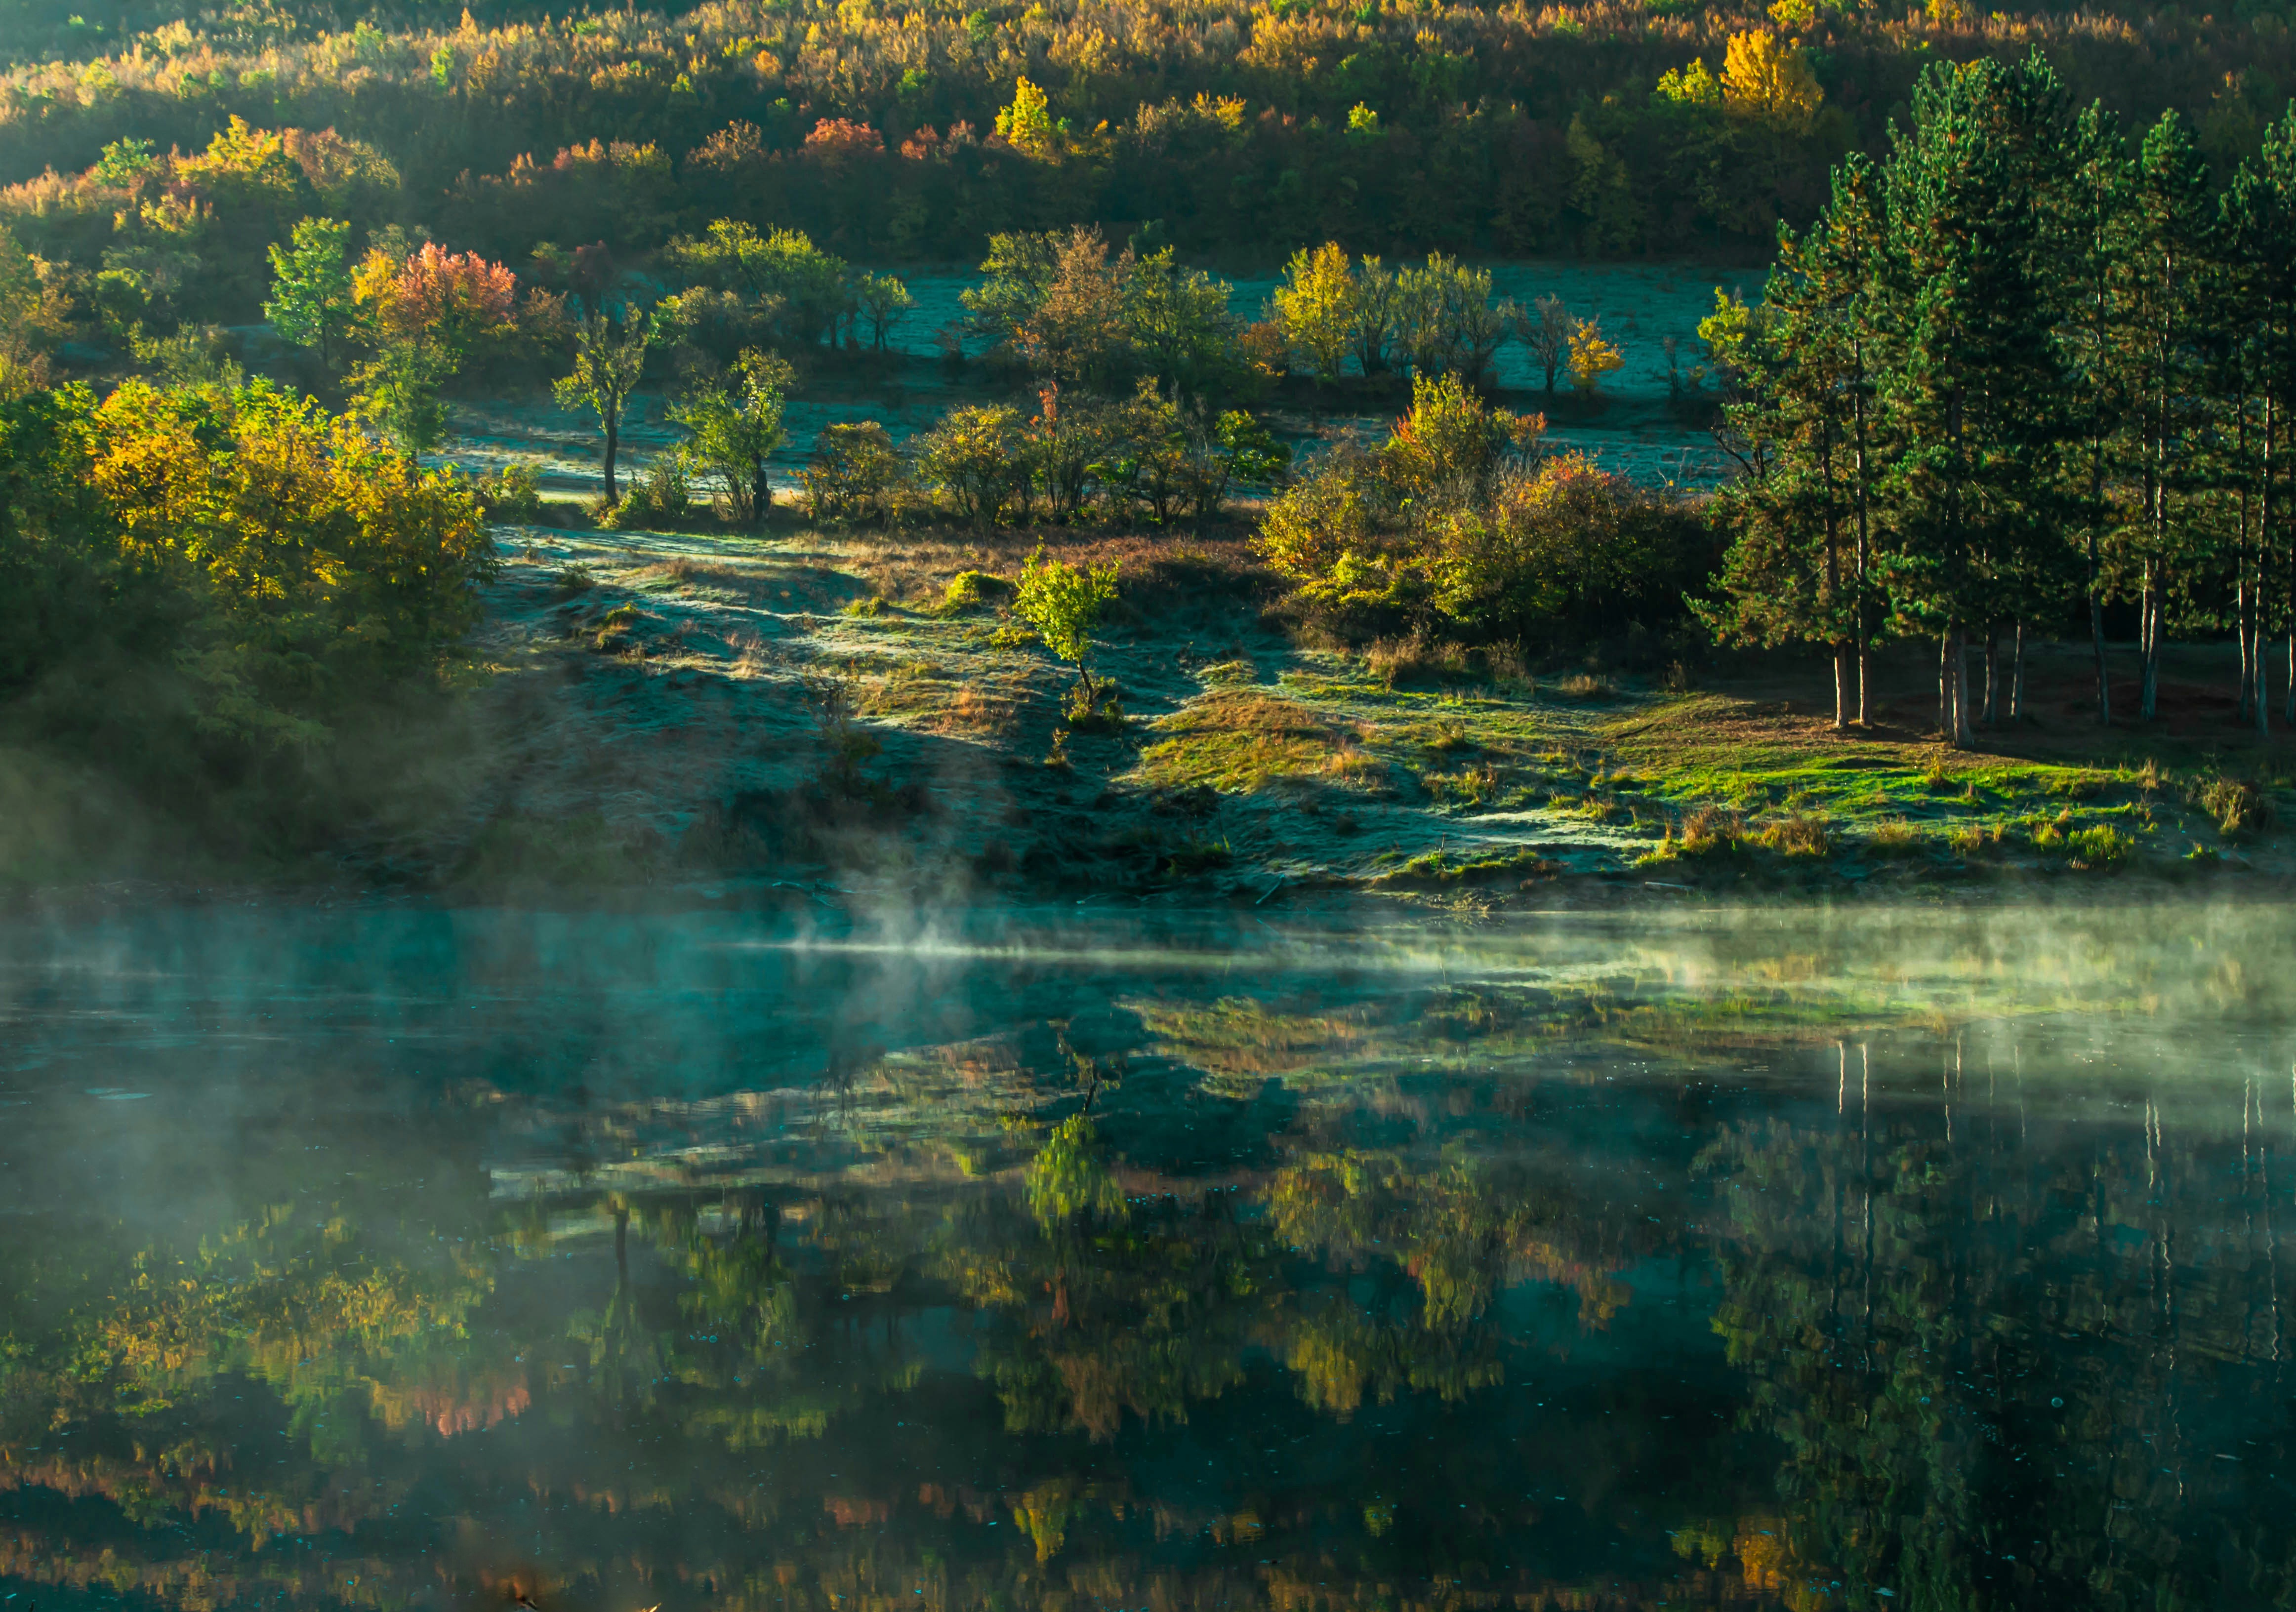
column 1770, row 78
column 1316, row 303
column 1591, row 357
column 322, row 559
column 1028, row 126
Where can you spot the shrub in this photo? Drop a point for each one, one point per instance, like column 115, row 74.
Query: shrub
column 509, row 494
column 976, row 456
column 970, row 590
column 856, row 473
column 1710, row 831
column 660, row 499
column 1415, row 659
column 1973, row 839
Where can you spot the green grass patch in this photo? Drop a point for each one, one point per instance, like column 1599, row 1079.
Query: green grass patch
column 1239, row 742
column 1436, row 869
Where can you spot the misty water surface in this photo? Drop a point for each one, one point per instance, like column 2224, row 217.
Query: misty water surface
column 392, row 1259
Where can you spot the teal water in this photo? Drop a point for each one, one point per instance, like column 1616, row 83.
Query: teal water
column 396, row 1257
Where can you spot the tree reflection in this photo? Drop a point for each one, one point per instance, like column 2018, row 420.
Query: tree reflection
column 2003, row 1372
column 1439, row 1333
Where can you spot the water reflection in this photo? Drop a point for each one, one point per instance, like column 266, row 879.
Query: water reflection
column 422, row 1259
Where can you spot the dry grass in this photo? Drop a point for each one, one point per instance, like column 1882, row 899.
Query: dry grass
column 1238, row 740
column 974, row 715
column 1801, row 834
column 750, row 656
column 1417, row 659
column 2239, row 806
column 1586, row 685
column 1975, row 839
column 1895, row 838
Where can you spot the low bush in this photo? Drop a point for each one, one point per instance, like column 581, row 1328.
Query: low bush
column 972, row 590
column 509, row 494
column 1416, row 658
column 661, row 499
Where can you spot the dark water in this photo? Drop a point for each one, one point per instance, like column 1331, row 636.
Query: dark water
column 396, row 1258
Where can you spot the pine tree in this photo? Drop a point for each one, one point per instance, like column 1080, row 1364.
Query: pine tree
column 2165, row 245
column 1973, row 389
column 2258, row 235
column 2089, row 224
column 1801, row 516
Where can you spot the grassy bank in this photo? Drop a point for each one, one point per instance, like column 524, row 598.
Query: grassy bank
column 822, row 712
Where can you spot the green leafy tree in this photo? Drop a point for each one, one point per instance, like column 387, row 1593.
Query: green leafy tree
column 1064, row 604
column 397, row 393
column 311, row 300
column 976, row 456
column 736, row 422
column 1177, row 323
column 609, row 358
column 1450, row 327
column 884, row 302
column 2257, row 300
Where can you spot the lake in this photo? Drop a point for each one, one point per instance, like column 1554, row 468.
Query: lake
column 391, row 1256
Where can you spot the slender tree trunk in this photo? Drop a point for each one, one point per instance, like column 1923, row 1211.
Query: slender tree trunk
column 1992, row 676
column 2096, row 638
column 613, row 424
column 2262, row 705
column 2017, row 678
column 2288, row 704
column 1961, row 730
column 2240, row 620
column 1953, row 687
column 1840, row 688
column 1865, row 686
column 2288, row 708
column 1945, row 685
column 2149, row 643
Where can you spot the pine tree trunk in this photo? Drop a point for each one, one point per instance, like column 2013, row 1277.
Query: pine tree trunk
column 1840, row 688
column 1962, row 736
column 1992, row 676
column 1865, row 687
column 1945, row 685
column 2258, row 696
column 1956, row 681
column 2239, row 631
column 2097, row 639
column 2288, row 706
column 2017, row 678
column 2150, row 650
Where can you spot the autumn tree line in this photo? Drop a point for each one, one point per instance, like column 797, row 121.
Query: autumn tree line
column 1395, row 128
column 2022, row 368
